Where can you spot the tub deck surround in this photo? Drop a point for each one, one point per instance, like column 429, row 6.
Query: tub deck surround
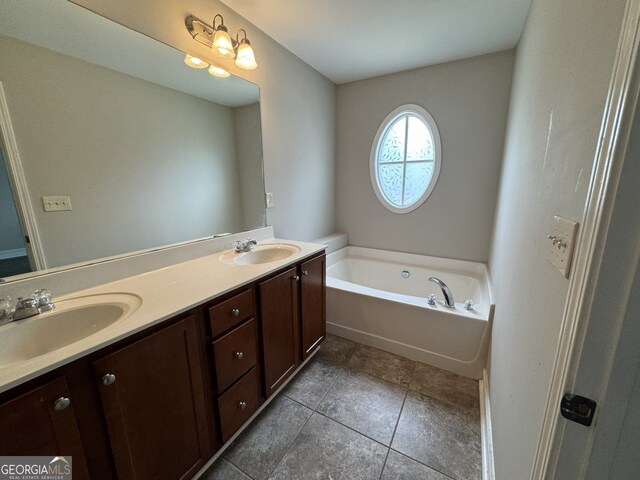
column 371, row 301
column 165, row 293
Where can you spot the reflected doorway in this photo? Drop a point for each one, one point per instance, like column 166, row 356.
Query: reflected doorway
column 13, row 252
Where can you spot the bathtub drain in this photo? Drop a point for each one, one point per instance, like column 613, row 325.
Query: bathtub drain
column 405, row 274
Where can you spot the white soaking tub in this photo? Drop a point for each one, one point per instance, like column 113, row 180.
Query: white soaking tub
column 371, row 301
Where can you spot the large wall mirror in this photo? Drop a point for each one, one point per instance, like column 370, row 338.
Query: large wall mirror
column 148, row 151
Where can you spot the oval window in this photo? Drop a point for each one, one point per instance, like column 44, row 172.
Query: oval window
column 405, row 159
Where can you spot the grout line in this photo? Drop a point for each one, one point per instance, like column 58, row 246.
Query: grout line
column 395, row 429
column 393, row 435
column 236, row 466
column 422, row 463
column 290, row 443
column 353, row 430
column 313, row 410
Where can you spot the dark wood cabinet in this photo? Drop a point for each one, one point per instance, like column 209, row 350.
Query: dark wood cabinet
column 157, row 405
column 42, row 422
column 313, row 323
column 154, row 405
column 278, row 299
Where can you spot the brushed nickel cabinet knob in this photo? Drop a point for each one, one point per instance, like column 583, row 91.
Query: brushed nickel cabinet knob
column 108, row 379
column 61, row 403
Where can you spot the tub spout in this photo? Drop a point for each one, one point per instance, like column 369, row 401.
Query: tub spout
column 448, row 296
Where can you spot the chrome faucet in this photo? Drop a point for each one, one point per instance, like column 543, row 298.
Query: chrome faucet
column 448, row 296
column 39, row 302
column 245, row 246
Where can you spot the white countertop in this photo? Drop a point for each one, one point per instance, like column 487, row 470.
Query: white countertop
column 165, row 293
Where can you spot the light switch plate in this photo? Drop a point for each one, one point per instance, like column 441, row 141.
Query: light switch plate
column 562, row 240
column 269, row 199
column 56, row 204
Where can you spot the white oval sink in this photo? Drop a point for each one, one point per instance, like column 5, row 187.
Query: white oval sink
column 261, row 254
column 71, row 321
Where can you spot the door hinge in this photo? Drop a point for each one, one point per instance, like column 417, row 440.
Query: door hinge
column 577, row 409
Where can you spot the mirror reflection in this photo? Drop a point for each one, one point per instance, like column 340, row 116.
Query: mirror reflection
column 122, row 147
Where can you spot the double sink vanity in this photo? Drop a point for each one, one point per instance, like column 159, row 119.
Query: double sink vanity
column 149, row 376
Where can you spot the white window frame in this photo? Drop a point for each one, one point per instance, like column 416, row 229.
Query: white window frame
column 428, row 120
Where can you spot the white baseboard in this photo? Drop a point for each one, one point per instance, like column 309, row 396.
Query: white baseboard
column 488, row 470
column 18, row 252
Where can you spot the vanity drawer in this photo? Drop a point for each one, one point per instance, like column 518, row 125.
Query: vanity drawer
column 234, row 354
column 238, row 403
column 229, row 313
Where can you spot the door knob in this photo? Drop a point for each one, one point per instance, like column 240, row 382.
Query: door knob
column 242, row 405
column 305, row 273
column 108, row 379
column 235, row 312
column 239, row 355
column 296, row 277
column 61, row 403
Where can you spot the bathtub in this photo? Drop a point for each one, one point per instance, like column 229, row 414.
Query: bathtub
column 379, row 298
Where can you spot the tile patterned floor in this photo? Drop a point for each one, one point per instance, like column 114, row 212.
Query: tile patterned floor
column 355, row 412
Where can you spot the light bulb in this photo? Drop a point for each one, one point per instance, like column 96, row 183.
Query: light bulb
column 222, row 43
column 245, row 58
column 218, row 72
column 194, row 62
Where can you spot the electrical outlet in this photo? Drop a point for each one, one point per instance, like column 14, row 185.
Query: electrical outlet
column 561, row 242
column 269, row 199
column 56, row 204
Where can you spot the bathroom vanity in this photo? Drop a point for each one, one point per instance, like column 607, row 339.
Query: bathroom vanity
column 157, row 401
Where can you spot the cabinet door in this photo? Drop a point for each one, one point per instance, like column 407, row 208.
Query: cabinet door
column 153, row 401
column 280, row 334
column 42, row 422
column 313, row 322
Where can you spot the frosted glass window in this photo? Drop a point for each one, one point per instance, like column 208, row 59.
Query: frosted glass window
column 405, row 159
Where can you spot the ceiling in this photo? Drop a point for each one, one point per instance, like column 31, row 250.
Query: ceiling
column 349, row 40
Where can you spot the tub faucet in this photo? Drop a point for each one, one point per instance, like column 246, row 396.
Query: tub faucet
column 448, row 296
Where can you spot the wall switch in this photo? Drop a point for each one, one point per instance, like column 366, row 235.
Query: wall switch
column 56, row 204
column 561, row 243
column 269, row 199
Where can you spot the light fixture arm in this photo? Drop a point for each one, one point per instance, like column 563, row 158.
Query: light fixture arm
column 238, row 40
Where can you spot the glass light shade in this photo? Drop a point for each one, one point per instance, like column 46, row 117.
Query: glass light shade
column 222, row 43
column 218, row 72
column 245, row 58
column 194, row 62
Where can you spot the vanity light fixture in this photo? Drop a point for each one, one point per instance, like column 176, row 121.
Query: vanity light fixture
column 217, row 38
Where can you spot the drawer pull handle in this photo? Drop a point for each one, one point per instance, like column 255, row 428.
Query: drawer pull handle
column 108, row 379
column 61, row 403
column 239, row 355
column 235, row 312
column 242, row 405
column 305, row 272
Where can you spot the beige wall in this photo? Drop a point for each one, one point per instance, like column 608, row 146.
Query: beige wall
column 10, row 232
column 297, row 104
column 468, row 100
column 144, row 165
column 563, row 66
